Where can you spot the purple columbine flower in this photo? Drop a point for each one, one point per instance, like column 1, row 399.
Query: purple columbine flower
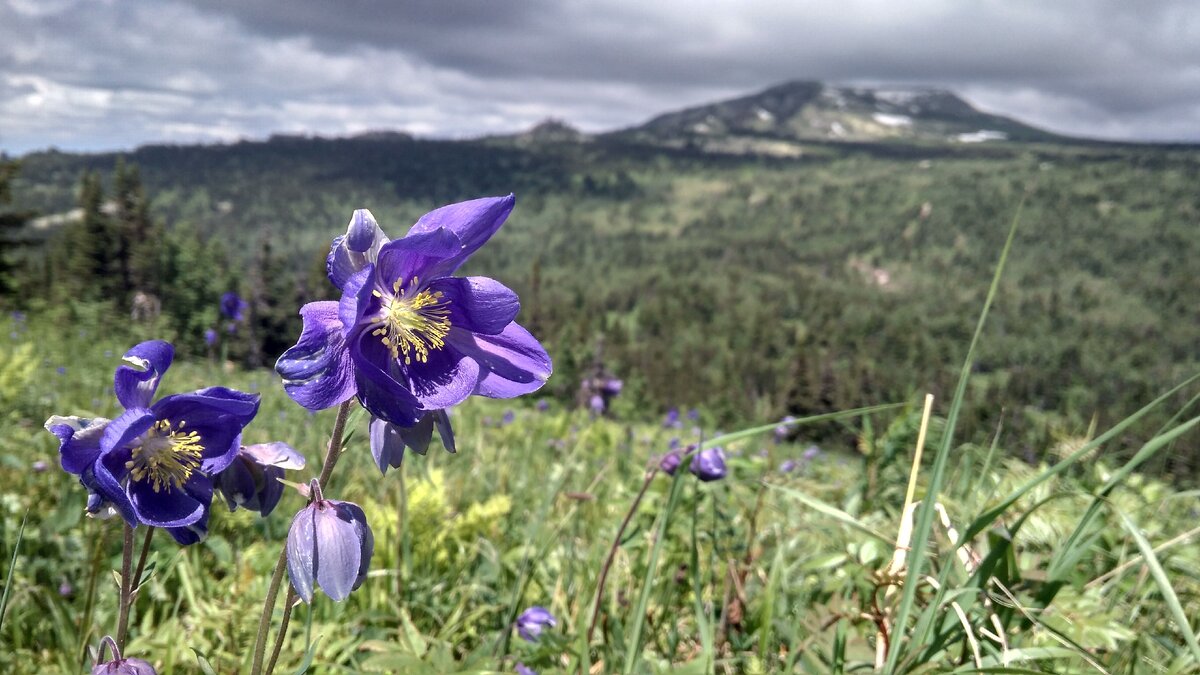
column 232, row 306
column 330, row 545
column 669, row 463
column 672, row 421
column 409, row 339
column 533, row 621
column 523, row 669
column 811, row 453
column 596, row 404
column 709, row 464
column 508, row 418
column 210, row 337
column 611, row 386
column 693, row 414
column 252, row 480
column 788, row 466
column 154, row 464
column 39, row 466
column 543, row 405
column 118, row 665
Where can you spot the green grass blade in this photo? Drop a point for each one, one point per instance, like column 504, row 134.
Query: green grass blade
column 1164, row 584
column 634, row 644
column 833, row 512
column 755, row 431
column 924, row 518
column 12, row 567
column 985, row 519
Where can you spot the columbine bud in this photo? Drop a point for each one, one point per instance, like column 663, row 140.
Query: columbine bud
column 118, row 665
column 329, row 544
column 252, row 480
column 709, row 465
column 362, row 231
column 533, row 621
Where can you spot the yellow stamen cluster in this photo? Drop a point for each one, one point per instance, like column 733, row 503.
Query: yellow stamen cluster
column 167, row 457
column 412, row 324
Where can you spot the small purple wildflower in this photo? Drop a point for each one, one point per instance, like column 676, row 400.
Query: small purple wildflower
column 784, row 428
column 509, row 418
column 672, row 421
column 210, row 337
column 329, row 545
column 61, row 370
column 232, row 306
column 596, row 404
column 788, row 466
column 709, row 464
column 533, row 621
column 523, row 669
column 65, row 589
column 543, row 405
column 39, row 466
column 811, row 453
column 693, row 414
column 611, row 386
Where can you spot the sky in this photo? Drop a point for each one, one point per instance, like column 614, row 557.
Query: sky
column 92, row 75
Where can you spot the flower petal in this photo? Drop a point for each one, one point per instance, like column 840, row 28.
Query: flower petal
column 356, row 249
column 442, row 419
column 478, row 304
column 446, row 379
column 338, row 544
column 170, row 507
column 422, row 255
column 125, row 429
column 473, row 222
column 382, row 388
column 317, row 372
column 418, row 435
column 78, row 440
column 217, row 415
column 277, row 454
column 511, row 363
column 351, row 511
column 302, row 553
column 135, row 386
column 193, row 533
column 387, row 446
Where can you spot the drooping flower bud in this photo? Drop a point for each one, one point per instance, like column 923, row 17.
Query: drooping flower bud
column 709, row 464
column 329, row 545
column 533, row 621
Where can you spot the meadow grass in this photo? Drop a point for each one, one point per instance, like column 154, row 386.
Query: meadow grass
column 1083, row 565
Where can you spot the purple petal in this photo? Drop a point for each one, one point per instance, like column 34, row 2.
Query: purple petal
column 193, row 533
column 356, row 293
column 238, row 483
column 387, row 445
column 511, row 363
column 421, row 255
column 418, row 435
column 135, row 386
column 338, row 544
column 302, row 552
column 103, row 480
column 478, row 304
column 125, row 429
column 446, row 379
column 277, row 454
column 362, row 231
column 473, row 222
column 78, row 440
column 382, row 387
column 317, row 372
column 217, row 415
column 170, row 506
column 354, row 514
column 442, row 419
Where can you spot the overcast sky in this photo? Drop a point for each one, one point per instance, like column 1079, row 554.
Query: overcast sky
column 113, row 74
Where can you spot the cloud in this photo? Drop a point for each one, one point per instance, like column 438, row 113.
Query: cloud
column 99, row 74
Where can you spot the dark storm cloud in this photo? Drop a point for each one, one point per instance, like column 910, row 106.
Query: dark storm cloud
column 109, row 74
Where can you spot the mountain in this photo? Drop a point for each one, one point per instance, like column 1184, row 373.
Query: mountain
column 815, row 111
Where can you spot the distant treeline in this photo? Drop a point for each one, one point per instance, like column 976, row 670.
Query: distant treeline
column 753, row 286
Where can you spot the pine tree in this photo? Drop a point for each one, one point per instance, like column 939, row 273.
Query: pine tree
column 11, row 224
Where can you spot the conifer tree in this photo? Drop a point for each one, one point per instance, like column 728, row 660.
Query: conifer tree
column 11, row 224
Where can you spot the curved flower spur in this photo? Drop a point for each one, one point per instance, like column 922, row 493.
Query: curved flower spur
column 409, row 339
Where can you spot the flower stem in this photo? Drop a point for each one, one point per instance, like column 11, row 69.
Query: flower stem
column 126, row 587
column 264, row 622
column 141, row 566
column 288, row 603
column 612, row 552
